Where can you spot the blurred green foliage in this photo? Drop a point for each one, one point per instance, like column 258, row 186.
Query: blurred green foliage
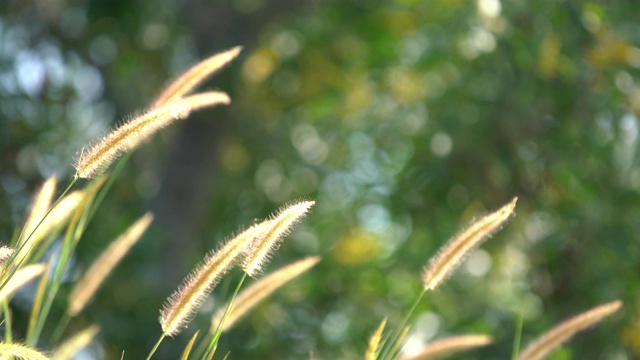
column 402, row 119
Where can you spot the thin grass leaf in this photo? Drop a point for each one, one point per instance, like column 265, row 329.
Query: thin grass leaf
column 187, row 349
column 7, row 321
column 210, row 354
column 38, row 303
column 72, row 235
column 552, row 339
column 451, row 254
column 450, row 345
column 396, row 346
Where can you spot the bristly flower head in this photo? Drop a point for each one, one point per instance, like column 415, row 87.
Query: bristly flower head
column 87, row 286
column 447, row 346
column 172, row 104
column 128, row 136
column 182, row 305
column 269, row 241
column 550, row 340
column 97, row 158
column 184, row 84
column 255, row 293
column 451, row 255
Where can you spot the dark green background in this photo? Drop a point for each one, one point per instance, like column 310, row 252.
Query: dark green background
column 403, row 120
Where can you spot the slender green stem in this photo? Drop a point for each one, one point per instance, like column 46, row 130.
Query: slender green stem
column 517, row 338
column 227, row 313
column 59, row 330
column 390, row 350
column 155, row 347
column 8, row 334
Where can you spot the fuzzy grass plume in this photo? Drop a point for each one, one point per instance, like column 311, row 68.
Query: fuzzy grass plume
column 182, row 305
column 269, row 242
column 205, row 99
column 444, row 347
column 39, row 207
column 93, row 278
column 58, row 217
column 194, row 76
column 5, row 253
column 451, row 254
column 20, row 278
column 68, row 349
column 170, row 105
column 374, row 342
column 22, row 352
column 552, row 339
column 97, row 158
column 257, row 292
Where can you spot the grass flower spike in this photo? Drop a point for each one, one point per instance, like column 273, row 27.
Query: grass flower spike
column 183, row 304
column 194, row 76
column 126, row 137
column 269, row 242
column 17, row 351
column 55, row 220
column 252, row 295
column 450, row 345
column 451, row 255
column 77, row 342
column 549, row 341
column 5, row 253
column 374, row 342
column 20, row 278
column 93, row 278
column 41, row 203
column 129, row 135
column 206, row 99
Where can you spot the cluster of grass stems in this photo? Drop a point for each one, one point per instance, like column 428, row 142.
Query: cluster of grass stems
column 68, row 214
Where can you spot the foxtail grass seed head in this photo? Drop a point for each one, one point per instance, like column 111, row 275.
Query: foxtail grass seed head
column 39, row 207
column 269, row 242
column 257, row 292
column 374, row 342
column 182, row 305
column 68, row 349
column 552, row 339
column 102, row 267
column 450, row 345
column 451, row 254
column 21, row 352
column 5, row 253
column 19, row 279
column 97, row 158
column 205, row 99
column 57, row 218
column 195, row 75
